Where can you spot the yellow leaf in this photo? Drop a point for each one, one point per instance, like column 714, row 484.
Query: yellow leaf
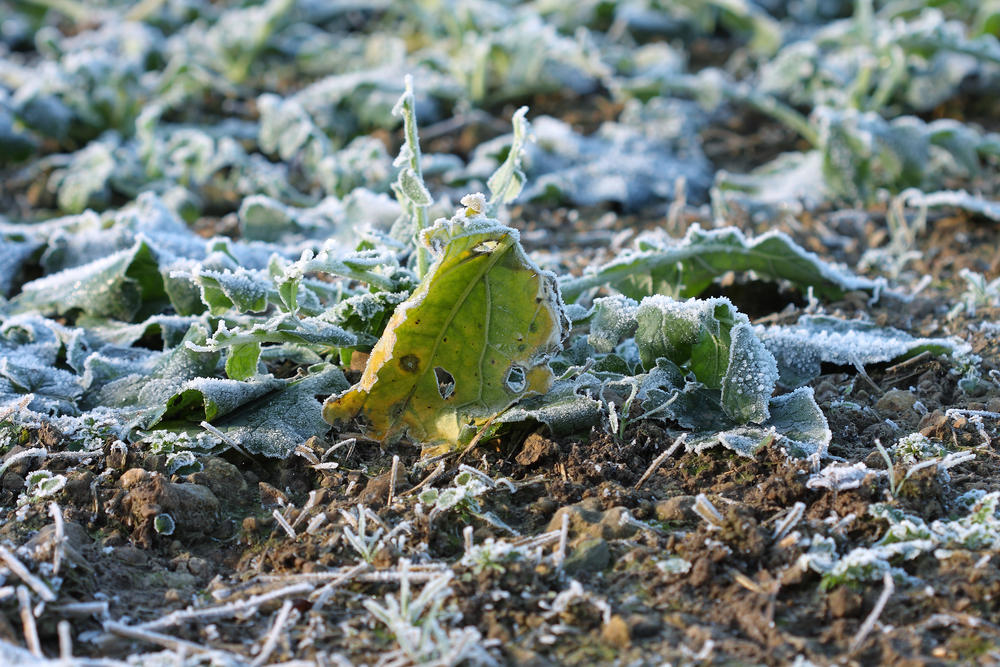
column 472, row 339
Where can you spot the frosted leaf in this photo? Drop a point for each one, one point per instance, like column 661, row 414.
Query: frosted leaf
column 841, row 477
column 611, row 319
column 45, row 340
column 959, row 199
column 147, row 394
column 750, row 377
column 800, row 348
column 53, row 390
column 170, row 329
column 284, row 419
column 694, row 334
column 564, row 409
column 206, row 399
column 660, row 264
column 619, row 164
column 803, row 426
column 745, row 440
column 244, row 290
column 121, row 285
column 183, row 463
column 84, row 182
column 14, row 253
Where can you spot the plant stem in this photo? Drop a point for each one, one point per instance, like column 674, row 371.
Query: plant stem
column 413, row 141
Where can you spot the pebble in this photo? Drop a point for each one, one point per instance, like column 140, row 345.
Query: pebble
column 536, row 448
column 590, row 556
column 678, row 508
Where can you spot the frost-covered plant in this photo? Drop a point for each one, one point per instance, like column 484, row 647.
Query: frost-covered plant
column 164, row 524
column 916, row 447
column 490, row 555
column 979, row 293
column 906, row 538
column 43, row 484
column 463, row 496
column 365, row 543
column 417, row 625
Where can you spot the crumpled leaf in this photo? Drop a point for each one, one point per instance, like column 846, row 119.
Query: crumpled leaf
column 563, row 409
column 123, row 285
column 147, row 393
column 796, row 422
column 713, row 342
column 471, row 340
column 206, row 399
column 275, row 424
column 686, row 267
column 800, row 348
column 244, row 342
column 14, row 253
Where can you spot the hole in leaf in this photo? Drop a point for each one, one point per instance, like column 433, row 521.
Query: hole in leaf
column 485, row 247
column 446, row 382
column 516, row 380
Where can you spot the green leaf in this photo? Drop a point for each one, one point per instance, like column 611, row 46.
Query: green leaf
column 473, row 339
column 611, row 319
column 123, row 285
column 798, row 418
column 563, row 409
column 206, row 399
column 686, row 267
column 413, row 187
column 507, row 181
column 275, row 424
column 241, row 362
column 693, row 334
column 148, row 393
column 14, row 254
column 282, row 328
column 242, row 289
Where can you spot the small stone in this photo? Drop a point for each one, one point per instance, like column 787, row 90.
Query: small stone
column 130, row 555
column 641, row 626
column 172, row 595
column 518, row 655
column 897, row 402
column 544, row 506
column 377, row 489
column 678, row 508
column 615, row 632
column 77, row 487
column 535, row 449
column 199, row 567
column 844, row 602
column 701, row 572
column 12, row 482
column 590, row 556
column 113, row 539
column 588, row 521
column 224, row 479
column 194, row 508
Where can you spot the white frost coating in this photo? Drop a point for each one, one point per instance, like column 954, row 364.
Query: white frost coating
column 839, row 477
column 220, row 396
column 612, row 318
column 733, row 236
column 750, row 378
column 802, row 347
column 622, row 162
column 959, row 199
